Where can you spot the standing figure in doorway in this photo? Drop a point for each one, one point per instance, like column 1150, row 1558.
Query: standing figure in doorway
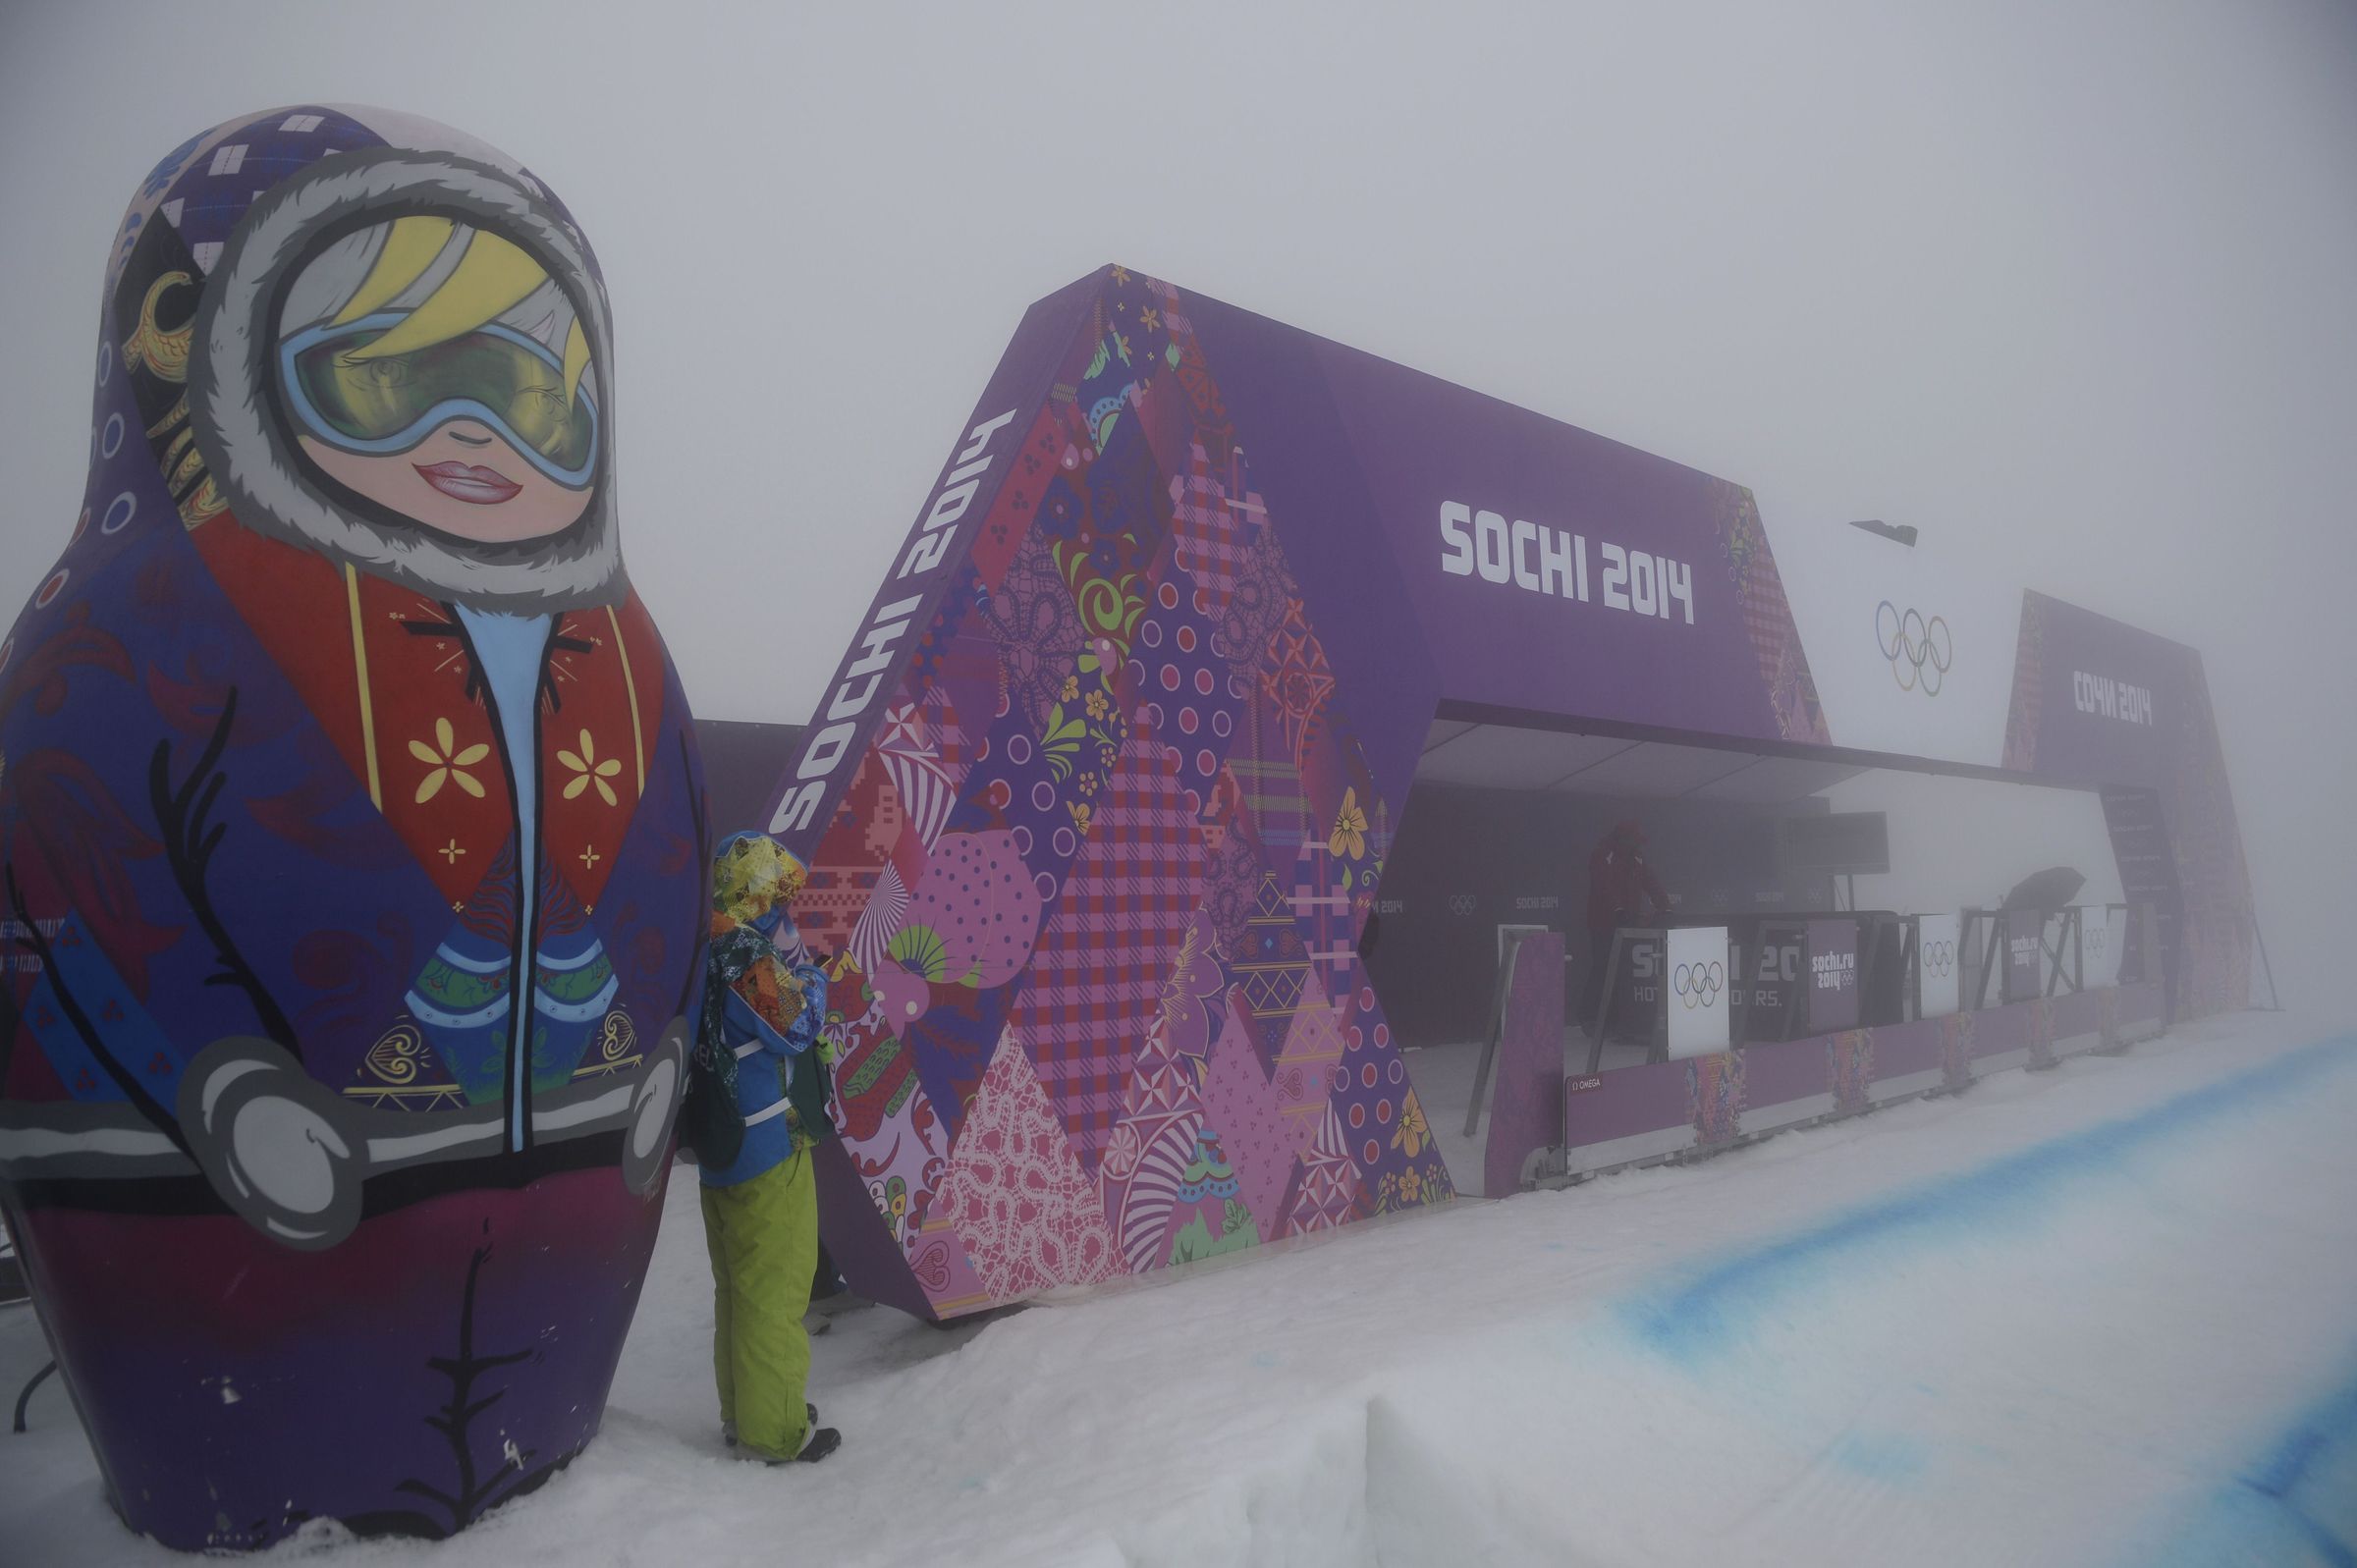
column 1622, row 890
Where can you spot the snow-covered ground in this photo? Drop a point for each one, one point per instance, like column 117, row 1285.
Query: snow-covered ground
column 2101, row 1315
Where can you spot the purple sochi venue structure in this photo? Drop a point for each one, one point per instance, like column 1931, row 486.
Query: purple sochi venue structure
column 1099, row 801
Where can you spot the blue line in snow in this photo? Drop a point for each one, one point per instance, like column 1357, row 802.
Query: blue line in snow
column 2312, row 1471
column 1706, row 1312
column 2297, row 1502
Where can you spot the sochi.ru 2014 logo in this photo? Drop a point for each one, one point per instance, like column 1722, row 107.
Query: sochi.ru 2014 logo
column 1698, row 984
column 1919, row 650
column 1939, row 959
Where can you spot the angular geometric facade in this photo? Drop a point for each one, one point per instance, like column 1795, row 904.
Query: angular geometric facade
column 1097, row 802
column 1096, row 807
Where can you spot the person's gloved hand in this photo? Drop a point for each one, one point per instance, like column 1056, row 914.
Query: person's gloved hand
column 804, row 1031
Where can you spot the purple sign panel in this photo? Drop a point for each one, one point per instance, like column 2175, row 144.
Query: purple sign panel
column 1526, row 1112
column 1831, row 986
column 1550, row 570
column 2106, row 700
column 2095, row 702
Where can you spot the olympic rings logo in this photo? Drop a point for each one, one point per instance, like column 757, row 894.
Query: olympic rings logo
column 1939, row 959
column 1698, row 984
column 1460, row 903
column 1920, row 651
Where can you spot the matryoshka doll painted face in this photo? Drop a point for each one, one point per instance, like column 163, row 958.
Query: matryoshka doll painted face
column 402, row 364
column 436, row 371
column 352, row 842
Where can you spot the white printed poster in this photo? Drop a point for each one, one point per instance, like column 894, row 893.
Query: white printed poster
column 1697, row 1000
column 1939, row 964
column 2102, row 933
column 1912, row 648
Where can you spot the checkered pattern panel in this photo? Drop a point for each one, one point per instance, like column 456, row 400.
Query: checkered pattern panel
column 1213, row 531
column 1095, row 982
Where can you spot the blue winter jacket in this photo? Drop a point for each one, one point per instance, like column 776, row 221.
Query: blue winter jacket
column 764, row 1058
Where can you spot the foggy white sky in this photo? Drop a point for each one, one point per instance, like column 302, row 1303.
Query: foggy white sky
column 2073, row 281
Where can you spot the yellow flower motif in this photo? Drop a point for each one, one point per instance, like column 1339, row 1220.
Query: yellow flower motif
column 447, row 763
column 1070, row 689
column 1349, row 837
column 589, row 771
column 1097, row 705
column 1412, row 1184
column 1412, row 1133
column 1081, row 812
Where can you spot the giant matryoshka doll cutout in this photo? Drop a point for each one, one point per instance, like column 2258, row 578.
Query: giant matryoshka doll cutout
column 350, row 816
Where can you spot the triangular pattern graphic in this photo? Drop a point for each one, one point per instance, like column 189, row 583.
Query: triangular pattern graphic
column 1248, row 1113
column 1327, row 1194
column 1030, row 1218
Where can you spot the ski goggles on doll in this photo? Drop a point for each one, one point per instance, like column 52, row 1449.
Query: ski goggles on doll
column 493, row 374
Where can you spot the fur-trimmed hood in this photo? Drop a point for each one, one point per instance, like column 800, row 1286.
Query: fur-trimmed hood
column 266, row 483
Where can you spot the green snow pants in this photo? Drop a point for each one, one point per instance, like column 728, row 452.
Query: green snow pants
column 763, row 1236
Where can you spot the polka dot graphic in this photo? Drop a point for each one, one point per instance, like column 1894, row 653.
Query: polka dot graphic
column 1181, row 667
column 980, row 899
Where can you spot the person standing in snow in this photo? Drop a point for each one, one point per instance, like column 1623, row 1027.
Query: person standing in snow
column 1622, row 890
column 761, row 1076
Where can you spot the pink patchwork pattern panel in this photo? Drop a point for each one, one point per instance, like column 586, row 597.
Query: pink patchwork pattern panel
column 1030, row 1218
column 1328, row 1192
column 1308, row 1066
column 1247, row 1112
column 1209, row 529
column 1375, row 1111
column 1095, row 982
column 1271, row 966
column 1141, row 1172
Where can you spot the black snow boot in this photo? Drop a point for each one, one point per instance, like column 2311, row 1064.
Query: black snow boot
column 817, row 1444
